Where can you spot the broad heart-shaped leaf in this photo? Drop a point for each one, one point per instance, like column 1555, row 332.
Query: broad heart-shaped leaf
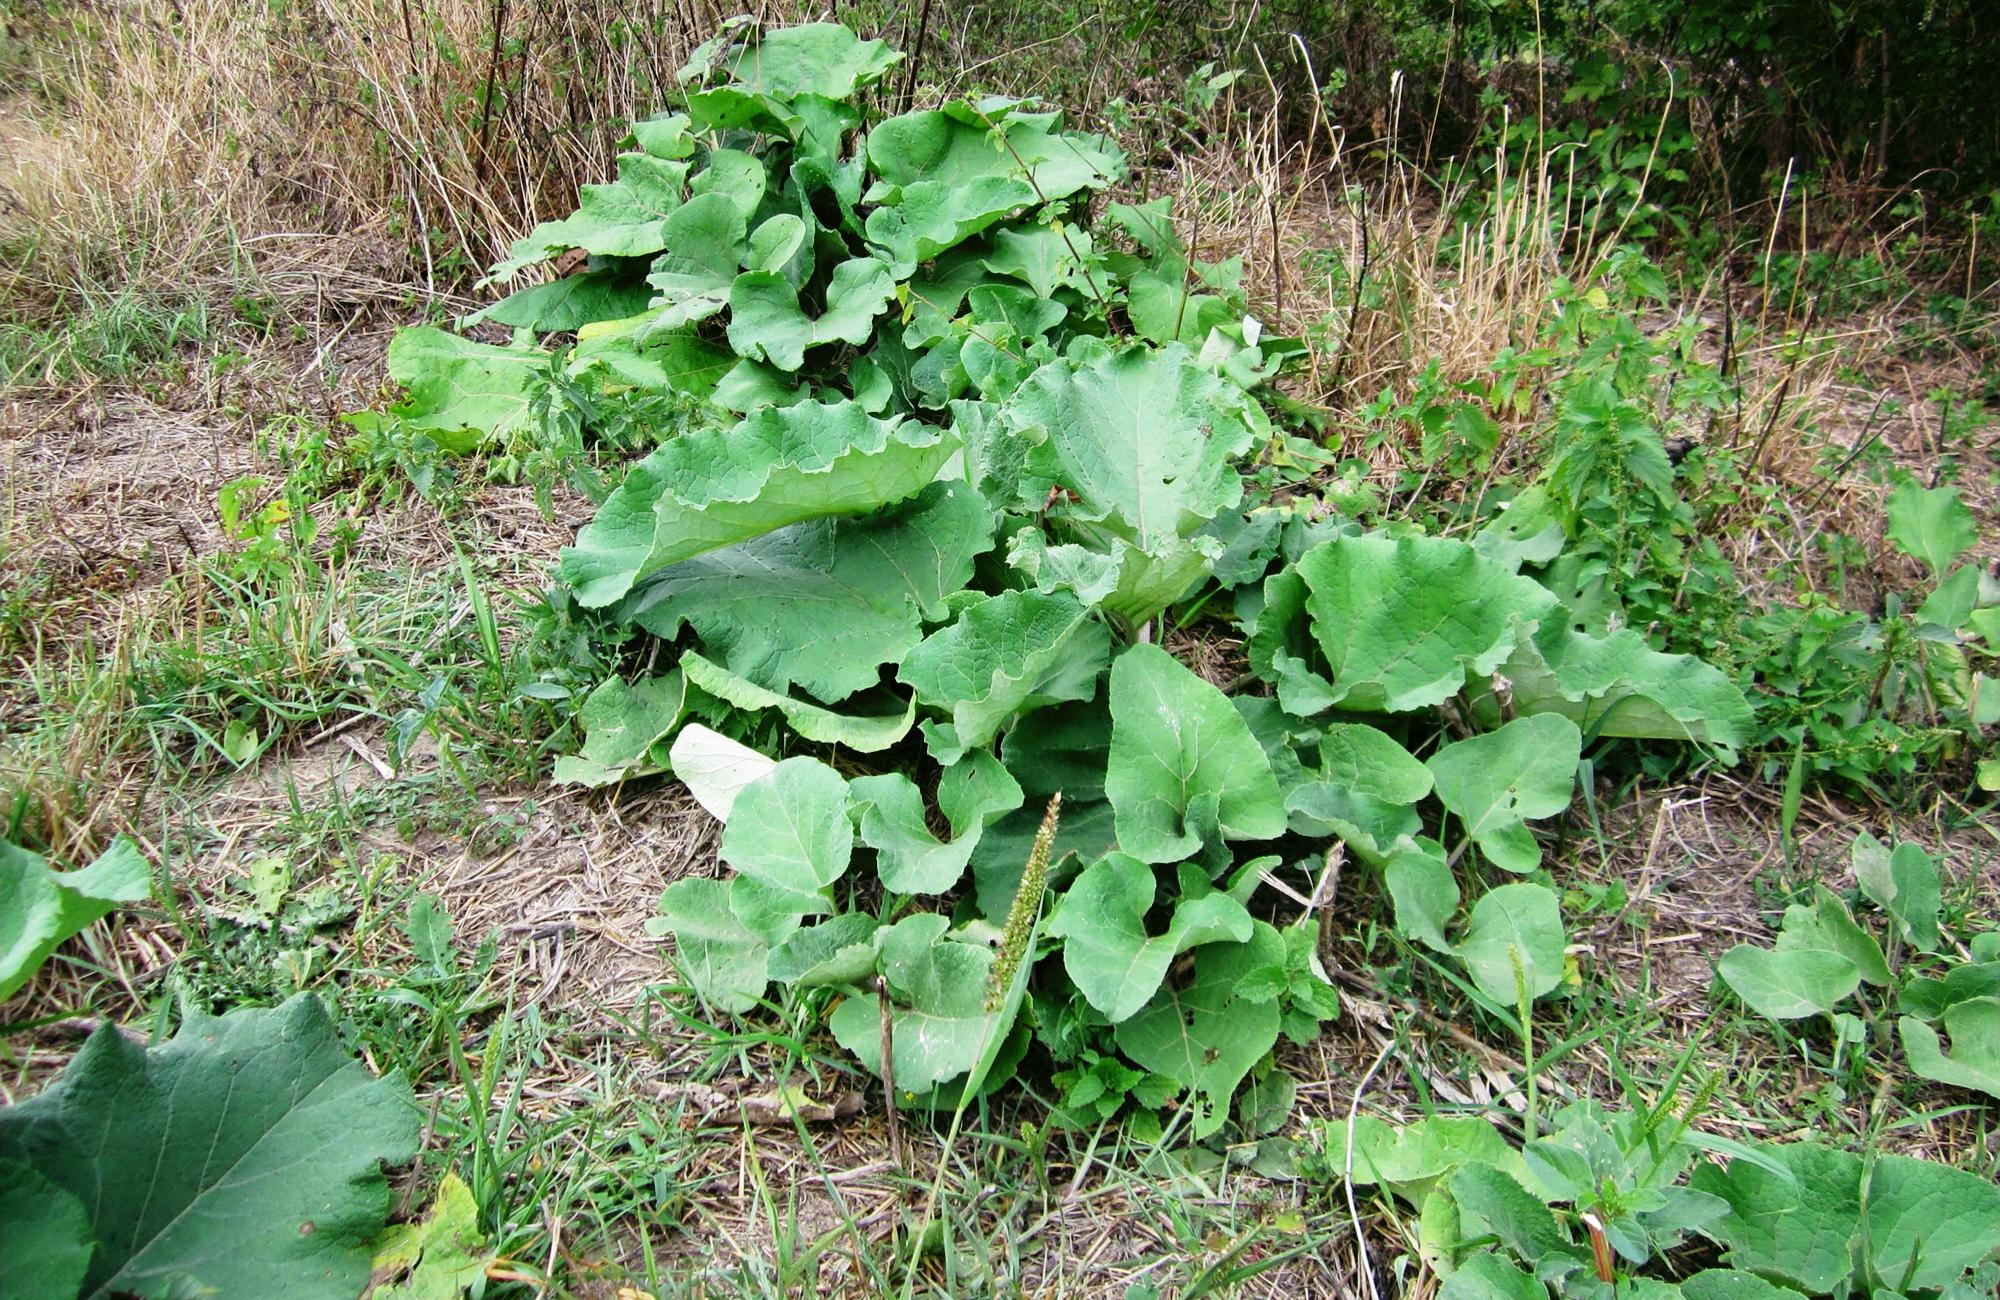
column 1184, row 771
column 767, row 324
column 705, row 243
column 1001, row 657
column 40, row 909
column 1203, row 1036
column 1618, row 685
column 938, row 996
column 567, row 303
column 1403, row 621
column 616, row 356
column 911, row 860
column 1927, row 1223
column 1931, row 524
column 840, row 950
column 1789, row 985
column 1903, row 883
column 1974, row 1059
column 1145, row 441
column 1797, row 1229
column 715, row 952
column 710, row 488
column 1044, row 257
column 458, row 385
column 715, row 768
column 1363, row 791
column 827, row 603
column 626, row 218
column 1117, row 966
column 1515, row 927
column 865, row 733
column 1498, row 781
column 242, row 1157
column 622, row 721
column 1828, row 926
column 789, row 832
column 823, row 59
column 1426, row 897
column 946, row 174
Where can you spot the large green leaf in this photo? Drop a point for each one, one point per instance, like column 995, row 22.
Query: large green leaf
column 780, row 466
column 1914, row 1224
column 1145, row 442
column 944, row 175
column 911, row 860
column 720, row 957
column 567, row 303
column 622, row 721
column 1044, row 257
column 1102, row 919
column 1618, row 685
column 47, row 1245
column 41, row 908
column 1902, row 882
column 1514, row 929
column 1184, row 771
column 1974, row 1058
column 1513, row 1213
column 1926, row 1223
column 1794, row 1222
column 1425, row 894
column 626, row 218
column 865, row 733
column 789, row 832
column 457, row 386
column 1789, row 985
column 827, row 603
column 1203, row 1036
column 767, row 324
column 1281, row 646
column 822, row 59
column 1410, row 1159
column 1497, row 782
column 1404, row 621
column 706, row 243
column 840, row 950
column 1827, row 925
column 621, row 355
column 243, row 1157
column 1001, row 657
column 1363, row 791
column 1487, row 1276
column 938, row 1014
column 1727, row 1284
column 1931, row 524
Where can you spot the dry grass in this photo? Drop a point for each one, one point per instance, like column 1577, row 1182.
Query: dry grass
column 319, row 152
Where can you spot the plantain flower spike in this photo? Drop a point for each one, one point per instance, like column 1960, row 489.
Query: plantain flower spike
column 1027, row 905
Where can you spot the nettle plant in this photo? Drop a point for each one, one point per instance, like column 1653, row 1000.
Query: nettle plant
column 962, row 445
